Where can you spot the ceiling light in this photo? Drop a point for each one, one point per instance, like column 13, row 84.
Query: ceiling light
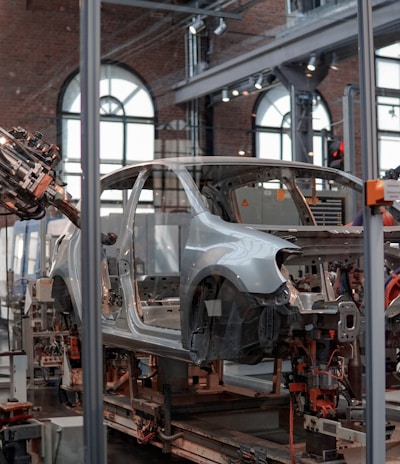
column 197, row 25
column 225, row 95
column 312, row 64
column 221, row 27
column 334, row 66
column 259, row 81
column 235, row 92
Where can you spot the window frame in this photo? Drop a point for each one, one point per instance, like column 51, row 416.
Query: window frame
column 134, row 133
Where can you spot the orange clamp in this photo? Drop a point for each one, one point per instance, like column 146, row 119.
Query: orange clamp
column 375, row 193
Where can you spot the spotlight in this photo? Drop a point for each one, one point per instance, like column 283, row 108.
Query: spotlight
column 312, row 64
column 235, row 92
column 221, row 27
column 259, row 81
column 225, row 95
column 334, row 66
column 197, row 25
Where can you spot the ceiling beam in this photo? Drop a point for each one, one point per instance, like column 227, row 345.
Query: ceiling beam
column 331, row 34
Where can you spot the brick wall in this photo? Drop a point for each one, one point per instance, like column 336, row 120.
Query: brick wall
column 40, row 50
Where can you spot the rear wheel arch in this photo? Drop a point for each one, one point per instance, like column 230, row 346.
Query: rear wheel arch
column 222, row 322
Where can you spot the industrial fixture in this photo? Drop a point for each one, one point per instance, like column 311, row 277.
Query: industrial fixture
column 197, row 25
column 312, row 64
column 247, row 86
column 221, row 28
column 259, row 82
column 225, row 95
column 334, row 66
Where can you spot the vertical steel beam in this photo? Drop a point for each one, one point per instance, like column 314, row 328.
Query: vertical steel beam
column 373, row 246
column 92, row 359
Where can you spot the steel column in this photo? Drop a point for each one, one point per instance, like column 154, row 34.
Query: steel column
column 373, row 245
column 92, row 359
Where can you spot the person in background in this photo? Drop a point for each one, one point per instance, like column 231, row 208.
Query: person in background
column 387, row 218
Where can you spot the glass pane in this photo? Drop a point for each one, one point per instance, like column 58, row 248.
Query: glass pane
column 72, row 96
column 273, row 108
column 73, row 167
column 111, row 140
column 71, row 139
column 269, row 145
column 391, row 51
column 388, row 74
column 73, row 185
column 389, row 114
column 140, row 142
column 139, row 100
column 33, row 242
column 320, row 117
column 19, row 254
column 317, row 153
column 389, row 147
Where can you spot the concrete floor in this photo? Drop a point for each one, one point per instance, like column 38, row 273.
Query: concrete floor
column 123, row 449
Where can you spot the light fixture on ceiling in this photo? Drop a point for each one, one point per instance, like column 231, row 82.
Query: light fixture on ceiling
column 197, row 25
column 334, row 66
column 258, row 83
column 235, row 92
column 225, row 95
column 221, row 28
column 312, row 63
column 249, row 87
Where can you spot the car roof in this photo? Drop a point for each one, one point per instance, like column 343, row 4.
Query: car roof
column 215, row 162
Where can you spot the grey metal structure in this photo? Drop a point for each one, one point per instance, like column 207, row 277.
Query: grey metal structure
column 332, row 33
column 375, row 319
column 91, row 255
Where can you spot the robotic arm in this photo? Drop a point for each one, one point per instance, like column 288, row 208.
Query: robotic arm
column 28, row 180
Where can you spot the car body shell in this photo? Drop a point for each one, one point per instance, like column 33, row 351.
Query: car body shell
column 248, row 256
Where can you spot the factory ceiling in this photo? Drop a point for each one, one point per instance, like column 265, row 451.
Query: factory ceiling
column 334, row 33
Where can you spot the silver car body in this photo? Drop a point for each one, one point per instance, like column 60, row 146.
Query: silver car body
column 202, row 269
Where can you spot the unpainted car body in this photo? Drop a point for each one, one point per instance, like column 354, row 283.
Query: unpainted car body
column 224, row 258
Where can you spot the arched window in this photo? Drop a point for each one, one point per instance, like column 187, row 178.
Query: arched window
column 273, row 121
column 127, row 125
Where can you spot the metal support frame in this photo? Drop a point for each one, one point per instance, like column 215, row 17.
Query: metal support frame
column 373, row 245
column 301, row 88
column 95, row 445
